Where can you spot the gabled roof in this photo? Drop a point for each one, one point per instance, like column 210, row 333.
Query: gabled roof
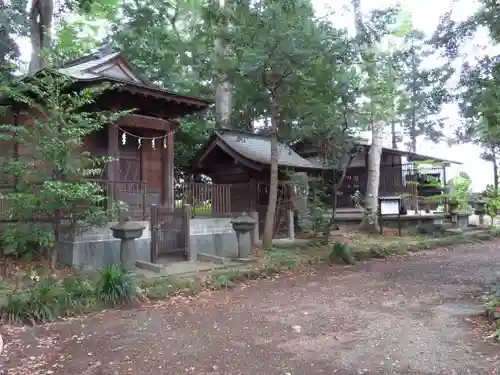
column 365, row 143
column 107, row 65
column 413, row 156
column 253, row 150
column 111, row 65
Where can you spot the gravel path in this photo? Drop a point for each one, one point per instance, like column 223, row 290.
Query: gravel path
column 417, row 315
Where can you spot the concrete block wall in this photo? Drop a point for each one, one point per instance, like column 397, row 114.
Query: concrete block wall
column 95, row 248
column 212, row 237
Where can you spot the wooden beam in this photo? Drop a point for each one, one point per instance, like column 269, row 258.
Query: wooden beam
column 167, row 162
column 144, row 122
column 113, row 167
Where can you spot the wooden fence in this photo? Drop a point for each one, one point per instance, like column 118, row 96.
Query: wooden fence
column 204, row 199
column 169, row 233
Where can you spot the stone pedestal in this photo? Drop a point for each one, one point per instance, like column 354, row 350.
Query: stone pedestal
column 127, row 231
column 480, row 210
column 244, row 225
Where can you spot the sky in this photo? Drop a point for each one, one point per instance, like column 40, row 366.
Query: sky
column 425, row 16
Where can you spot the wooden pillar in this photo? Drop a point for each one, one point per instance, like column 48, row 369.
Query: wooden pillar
column 113, row 167
column 167, row 163
column 445, row 189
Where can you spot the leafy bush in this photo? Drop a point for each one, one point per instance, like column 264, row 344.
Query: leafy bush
column 26, row 241
column 222, row 281
column 48, row 299
column 45, row 301
column 81, row 292
column 343, row 252
column 115, row 286
column 281, row 259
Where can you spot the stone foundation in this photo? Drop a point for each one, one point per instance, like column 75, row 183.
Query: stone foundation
column 95, row 248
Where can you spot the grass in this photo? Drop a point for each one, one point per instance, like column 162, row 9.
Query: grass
column 50, row 298
column 47, row 298
column 198, row 209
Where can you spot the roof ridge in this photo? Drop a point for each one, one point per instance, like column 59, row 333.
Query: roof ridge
column 283, row 141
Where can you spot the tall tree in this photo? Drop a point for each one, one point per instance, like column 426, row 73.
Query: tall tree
column 40, row 17
column 13, row 24
column 224, row 86
column 377, row 126
column 478, row 102
column 425, row 88
column 276, row 44
column 50, row 180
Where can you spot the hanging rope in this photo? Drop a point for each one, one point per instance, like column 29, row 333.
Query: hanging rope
column 153, row 140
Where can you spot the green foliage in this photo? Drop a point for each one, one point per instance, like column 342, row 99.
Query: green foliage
column 50, row 179
column 430, row 228
column 166, row 287
column 492, row 201
column 223, row 280
column 478, row 91
column 343, row 252
column 493, row 310
column 462, row 188
column 81, row 292
column 281, row 259
column 115, row 286
column 26, row 240
column 44, row 301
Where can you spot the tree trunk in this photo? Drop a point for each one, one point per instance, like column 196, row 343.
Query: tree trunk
column 394, row 141
column 57, row 238
column 224, row 88
column 394, row 138
column 495, row 168
column 335, row 188
column 40, row 18
column 413, row 126
column 267, row 238
column 370, row 222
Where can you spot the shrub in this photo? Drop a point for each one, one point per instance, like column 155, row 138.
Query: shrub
column 343, row 252
column 281, row 259
column 44, row 301
column 222, row 281
column 115, row 286
column 81, row 292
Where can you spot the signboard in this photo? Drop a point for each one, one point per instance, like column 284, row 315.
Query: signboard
column 389, row 207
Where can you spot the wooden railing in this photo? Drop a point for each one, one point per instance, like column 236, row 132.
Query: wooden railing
column 131, row 194
column 204, row 199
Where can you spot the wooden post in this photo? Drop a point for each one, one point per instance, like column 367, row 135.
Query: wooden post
column 186, row 217
column 445, row 189
column 255, row 234
column 143, row 184
column 153, row 218
column 113, row 167
column 168, row 173
column 291, row 225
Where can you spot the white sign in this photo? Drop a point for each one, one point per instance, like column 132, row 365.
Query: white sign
column 389, row 207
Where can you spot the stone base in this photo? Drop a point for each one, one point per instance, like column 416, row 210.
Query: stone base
column 157, row 268
column 212, row 258
column 96, row 248
column 94, row 255
column 244, row 260
column 213, row 237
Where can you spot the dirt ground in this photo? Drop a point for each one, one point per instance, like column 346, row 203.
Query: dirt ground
column 416, row 315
